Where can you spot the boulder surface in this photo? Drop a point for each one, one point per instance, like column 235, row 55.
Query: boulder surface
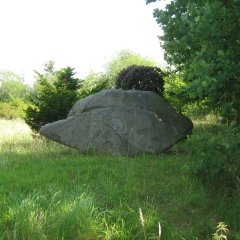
column 120, row 122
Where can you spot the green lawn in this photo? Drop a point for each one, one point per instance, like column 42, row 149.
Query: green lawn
column 48, row 191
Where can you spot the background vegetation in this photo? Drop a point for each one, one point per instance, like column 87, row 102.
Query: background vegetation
column 13, row 95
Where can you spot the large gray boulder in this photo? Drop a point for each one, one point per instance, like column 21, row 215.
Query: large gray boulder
column 120, row 122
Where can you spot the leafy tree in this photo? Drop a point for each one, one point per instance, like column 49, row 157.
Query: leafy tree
column 11, row 86
column 13, row 95
column 9, row 75
column 175, row 91
column 93, row 83
column 177, row 94
column 54, row 95
column 124, row 59
column 141, row 78
column 201, row 39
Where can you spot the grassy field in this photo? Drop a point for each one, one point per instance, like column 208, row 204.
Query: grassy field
column 48, row 191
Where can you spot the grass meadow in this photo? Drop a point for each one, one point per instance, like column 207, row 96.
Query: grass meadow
column 49, row 191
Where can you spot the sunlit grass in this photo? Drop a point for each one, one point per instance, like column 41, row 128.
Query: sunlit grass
column 49, row 191
column 13, row 128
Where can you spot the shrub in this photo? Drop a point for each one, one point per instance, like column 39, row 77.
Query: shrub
column 218, row 164
column 141, row 78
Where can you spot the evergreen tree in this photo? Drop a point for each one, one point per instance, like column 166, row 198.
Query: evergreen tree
column 54, row 94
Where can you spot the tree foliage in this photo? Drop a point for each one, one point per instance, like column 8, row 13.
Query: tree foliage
column 13, row 109
column 11, row 86
column 141, row 78
column 123, row 60
column 175, row 91
column 201, row 39
column 54, row 94
column 13, row 95
column 93, row 83
column 9, row 75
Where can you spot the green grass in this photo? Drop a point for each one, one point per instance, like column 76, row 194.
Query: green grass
column 48, row 191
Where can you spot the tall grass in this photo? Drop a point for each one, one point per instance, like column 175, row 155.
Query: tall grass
column 48, row 191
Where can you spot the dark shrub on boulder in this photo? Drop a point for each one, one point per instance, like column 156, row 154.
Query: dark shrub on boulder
column 143, row 78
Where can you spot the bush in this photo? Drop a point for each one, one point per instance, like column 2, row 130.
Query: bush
column 218, row 164
column 141, row 78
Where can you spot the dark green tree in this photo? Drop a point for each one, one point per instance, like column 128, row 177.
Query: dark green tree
column 202, row 40
column 54, row 94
